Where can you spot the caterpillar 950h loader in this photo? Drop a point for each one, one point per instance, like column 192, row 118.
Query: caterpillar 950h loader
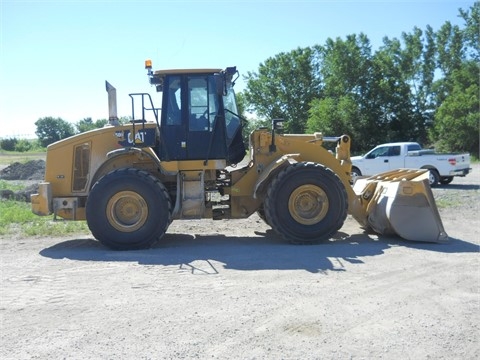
column 130, row 181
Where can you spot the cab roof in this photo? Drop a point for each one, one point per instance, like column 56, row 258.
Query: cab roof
column 186, row 71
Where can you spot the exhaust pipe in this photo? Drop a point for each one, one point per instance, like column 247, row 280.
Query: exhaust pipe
column 112, row 104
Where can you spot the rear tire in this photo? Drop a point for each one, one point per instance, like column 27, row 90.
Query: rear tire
column 306, row 203
column 445, row 180
column 128, row 209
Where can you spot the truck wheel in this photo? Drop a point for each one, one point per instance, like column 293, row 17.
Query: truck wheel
column 356, row 173
column 128, row 209
column 433, row 177
column 306, row 203
column 445, row 180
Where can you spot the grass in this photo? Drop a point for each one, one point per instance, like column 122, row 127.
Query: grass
column 16, row 218
column 443, row 203
column 9, row 157
column 6, row 185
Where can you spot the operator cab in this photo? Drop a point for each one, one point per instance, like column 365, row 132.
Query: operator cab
column 199, row 117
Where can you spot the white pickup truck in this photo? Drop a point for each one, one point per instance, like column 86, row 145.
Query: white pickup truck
column 443, row 167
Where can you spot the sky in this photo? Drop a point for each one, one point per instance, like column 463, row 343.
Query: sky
column 56, row 55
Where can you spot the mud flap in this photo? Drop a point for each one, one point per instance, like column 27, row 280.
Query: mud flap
column 401, row 202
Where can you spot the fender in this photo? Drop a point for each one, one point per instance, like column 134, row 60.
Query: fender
column 273, row 168
column 114, row 156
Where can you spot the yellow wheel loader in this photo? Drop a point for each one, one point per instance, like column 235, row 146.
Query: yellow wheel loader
column 187, row 160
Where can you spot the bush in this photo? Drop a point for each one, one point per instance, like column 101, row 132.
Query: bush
column 23, row 145
column 8, row 144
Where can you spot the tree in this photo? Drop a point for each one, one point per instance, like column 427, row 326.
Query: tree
column 283, row 87
column 346, row 105
column 50, row 129
column 457, row 99
column 8, row 144
column 457, row 119
column 471, row 33
column 450, row 48
column 333, row 116
column 409, row 89
column 87, row 124
column 23, row 145
column 84, row 125
column 400, row 92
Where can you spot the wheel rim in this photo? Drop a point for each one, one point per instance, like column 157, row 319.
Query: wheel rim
column 308, row 204
column 127, row 211
column 354, row 176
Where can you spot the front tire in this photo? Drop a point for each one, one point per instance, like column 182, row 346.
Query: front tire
column 306, row 203
column 356, row 173
column 433, row 178
column 128, row 209
column 261, row 214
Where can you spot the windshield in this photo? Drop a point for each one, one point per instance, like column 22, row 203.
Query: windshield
column 232, row 119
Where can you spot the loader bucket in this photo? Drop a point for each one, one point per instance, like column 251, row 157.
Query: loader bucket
column 400, row 202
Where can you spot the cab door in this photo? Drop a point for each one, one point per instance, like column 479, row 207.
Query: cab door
column 173, row 129
column 192, row 125
column 206, row 126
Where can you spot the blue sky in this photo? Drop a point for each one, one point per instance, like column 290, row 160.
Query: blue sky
column 56, row 55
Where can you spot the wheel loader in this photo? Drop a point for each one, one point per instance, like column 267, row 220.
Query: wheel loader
column 188, row 160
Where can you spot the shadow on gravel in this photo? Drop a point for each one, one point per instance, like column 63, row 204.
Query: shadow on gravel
column 458, row 187
column 265, row 252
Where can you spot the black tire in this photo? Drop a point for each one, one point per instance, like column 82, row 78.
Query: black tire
column 433, row 178
column 128, row 209
column 445, row 180
column 306, row 203
column 261, row 214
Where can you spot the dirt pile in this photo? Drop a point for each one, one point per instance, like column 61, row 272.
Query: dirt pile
column 31, row 170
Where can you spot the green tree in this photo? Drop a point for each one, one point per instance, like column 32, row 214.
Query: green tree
column 458, row 117
column 344, row 107
column 50, row 129
column 24, row 145
column 8, row 144
column 450, row 48
column 87, row 124
column 471, row 33
column 457, row 99
column 400, row 95
column 406, row 90
column 283, row 87
column 333, row 116
column 249, row 123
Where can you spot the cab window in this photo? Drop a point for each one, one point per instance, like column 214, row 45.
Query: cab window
column 174, row 106
column 203, row 106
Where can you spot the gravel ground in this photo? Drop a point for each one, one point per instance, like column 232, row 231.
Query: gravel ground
column 233, row 290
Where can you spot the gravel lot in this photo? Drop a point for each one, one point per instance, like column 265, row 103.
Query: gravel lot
column 232, row 290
